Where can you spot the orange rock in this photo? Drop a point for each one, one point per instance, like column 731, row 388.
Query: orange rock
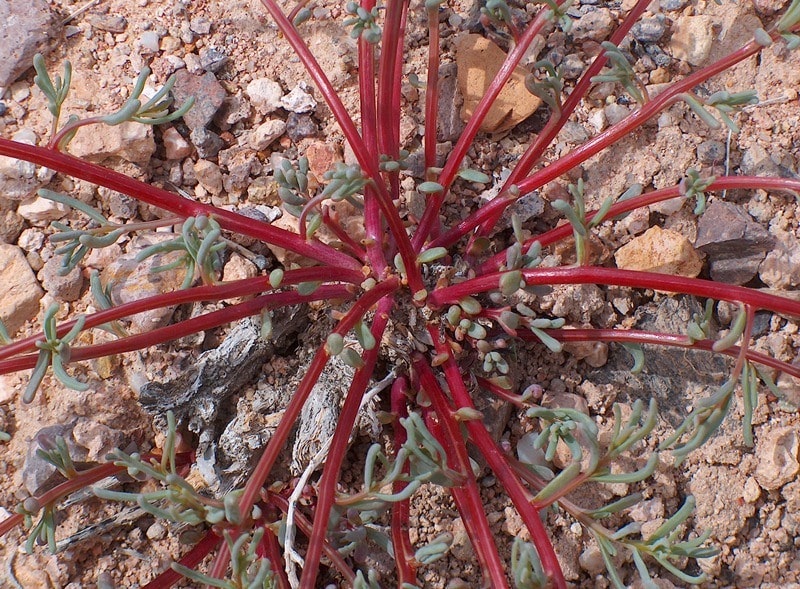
column 660, row 250
column 478, row 61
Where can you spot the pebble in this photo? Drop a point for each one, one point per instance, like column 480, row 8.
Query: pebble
column 208, row 96
column 32, row 239
column 572, row 67
column 615, row 112
column 108, row 22
column 20, row 91
column 321, row 157
column 300, row 126
column 209, row 175
column 234, row 109
column 200, row 25
column 207, row 143
column 595, row 25
column 130, row 141
column 573, row 132
column 175, row 145
column 238, row 268
column 19, row 290
column 149, row 42
column 240, row 162
column 649, row 30
column 692, row 38
column 660, row 250
column 11, row 225
column 299, row 100
column 63, row 288
column 734, row 243
column 267, row 132
column 265, row 95
column 40, row 209
column 777, row 457
column 212, row 59
column 711, row 152
column 156, row 531
column 26, row 27
column 450, row 124
column 672, row 5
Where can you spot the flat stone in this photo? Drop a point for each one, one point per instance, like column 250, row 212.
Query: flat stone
column 208, row 96
column 26, row 26
column 19, row 290
column 660, row 250
column 130, row 141
column 777, row 457
column 321, row 157
column 734, row 243
column 265, row 95
column 40, row 210
column 64, row 288
column 478, row 61
column 692, row 38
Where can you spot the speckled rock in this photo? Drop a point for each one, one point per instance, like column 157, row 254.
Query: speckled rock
column 208, row 96
column 692, row 38
column 130, row 141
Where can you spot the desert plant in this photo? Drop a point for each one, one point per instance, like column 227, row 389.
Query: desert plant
column 446, row 294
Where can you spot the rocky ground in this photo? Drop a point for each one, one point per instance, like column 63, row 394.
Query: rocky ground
column 255, row 105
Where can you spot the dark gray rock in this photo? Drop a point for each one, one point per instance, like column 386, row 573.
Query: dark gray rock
column 649, row 30
column 212, row 59
column 711, row 152
column 300, row 126
column 733, row 241
column 206, row 142
column 25, row 28
column 208, row 96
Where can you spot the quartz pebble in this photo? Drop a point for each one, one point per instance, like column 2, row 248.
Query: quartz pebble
column 265, row 95
column 175, row 145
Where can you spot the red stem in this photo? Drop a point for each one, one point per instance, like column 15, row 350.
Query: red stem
column 432, row 90
column 649, row 198
column 498, row 463
column 191, row 559
column 278, row 440
column 401, row 510
column 308, row 529
column 618, row 277
column 659, row 339
column 362, row 153
column 467, row 495
column 217, row 292
column 431, row 216
column 234, row 222
column 637, row 118
column 184, row 328
column 373, row 224
column 326, row 490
